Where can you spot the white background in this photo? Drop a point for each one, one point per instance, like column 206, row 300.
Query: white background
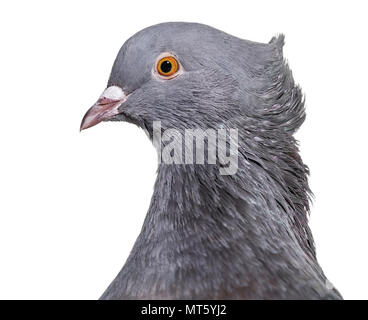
column 72, row 204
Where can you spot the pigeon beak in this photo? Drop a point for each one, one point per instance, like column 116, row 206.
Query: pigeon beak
column 106, row 107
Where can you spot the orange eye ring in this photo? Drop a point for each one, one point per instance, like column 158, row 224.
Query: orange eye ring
column 167, row 66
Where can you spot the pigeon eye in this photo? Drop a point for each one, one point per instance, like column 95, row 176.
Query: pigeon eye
column 167, row 67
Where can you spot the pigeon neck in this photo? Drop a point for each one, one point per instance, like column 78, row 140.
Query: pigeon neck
column 201, row 223
column 270, row 186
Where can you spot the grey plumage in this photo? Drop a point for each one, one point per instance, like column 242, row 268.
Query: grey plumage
column 208, row 236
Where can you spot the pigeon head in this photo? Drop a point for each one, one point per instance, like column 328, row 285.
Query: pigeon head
column 189, row 75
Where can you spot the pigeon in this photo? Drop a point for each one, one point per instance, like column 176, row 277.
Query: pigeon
column 212, row 234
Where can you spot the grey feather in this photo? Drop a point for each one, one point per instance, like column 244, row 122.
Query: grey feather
column 208, row 236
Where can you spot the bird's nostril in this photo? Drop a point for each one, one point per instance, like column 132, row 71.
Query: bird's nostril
column 113, row 92
column 102, row 101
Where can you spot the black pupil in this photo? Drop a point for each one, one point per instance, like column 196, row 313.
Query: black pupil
column 166, row 66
